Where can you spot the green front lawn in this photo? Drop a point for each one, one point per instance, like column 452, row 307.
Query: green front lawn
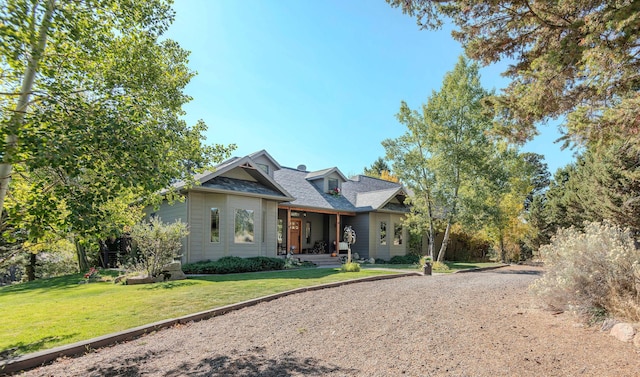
column 53, row 312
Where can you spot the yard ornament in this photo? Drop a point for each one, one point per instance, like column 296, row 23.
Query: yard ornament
column 350, row 238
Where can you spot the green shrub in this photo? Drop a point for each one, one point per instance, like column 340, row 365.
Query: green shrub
column 230, row 265
column 350, row 267
column 405, row 259
column 380, row 261
column 439, row 266
column 592, row 272
column 157, row 243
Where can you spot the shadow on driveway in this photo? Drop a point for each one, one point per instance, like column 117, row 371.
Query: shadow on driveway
column 239, row 363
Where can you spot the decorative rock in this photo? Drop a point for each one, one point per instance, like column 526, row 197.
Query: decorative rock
column 623, row 332
column 140, row 280
column 372, row 260
column 355, row 256
column 174, row 271
column 607, row 324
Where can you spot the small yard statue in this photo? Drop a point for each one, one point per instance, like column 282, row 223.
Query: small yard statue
column 349, row 237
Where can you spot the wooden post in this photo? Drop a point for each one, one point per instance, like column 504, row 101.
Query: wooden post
column 338, row 235
column 288, row 231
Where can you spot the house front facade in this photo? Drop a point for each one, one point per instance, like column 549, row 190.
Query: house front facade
column 252, row 206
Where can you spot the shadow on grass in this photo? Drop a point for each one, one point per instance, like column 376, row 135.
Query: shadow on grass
column 167, row 285
column 256, row 364
column 284, row 274
column 17, row 349
column 61, row 282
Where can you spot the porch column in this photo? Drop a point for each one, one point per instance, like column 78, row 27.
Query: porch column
column 288, row 230
column 338, row 233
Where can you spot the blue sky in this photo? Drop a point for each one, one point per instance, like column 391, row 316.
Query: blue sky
column 316, row 82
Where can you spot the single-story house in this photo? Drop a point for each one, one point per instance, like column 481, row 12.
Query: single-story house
column 252, row 206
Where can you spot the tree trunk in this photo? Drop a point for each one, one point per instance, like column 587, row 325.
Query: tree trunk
column 445, row 241
column 31, row 267
column 81, row 252
column 17, row 118
column 503, row 254
column 432, row 231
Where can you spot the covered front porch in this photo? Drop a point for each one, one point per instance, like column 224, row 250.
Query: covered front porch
column 311, row 231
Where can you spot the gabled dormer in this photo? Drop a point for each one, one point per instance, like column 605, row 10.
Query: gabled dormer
column 327, row 180
column 264, row 161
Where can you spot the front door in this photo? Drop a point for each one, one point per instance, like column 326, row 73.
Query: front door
column 295, row 233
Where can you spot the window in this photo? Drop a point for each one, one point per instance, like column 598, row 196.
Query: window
column 243, row 226
column 215, row 225
column 333, row 184
column 264, row 167
column 383, row 233
column 397, row 234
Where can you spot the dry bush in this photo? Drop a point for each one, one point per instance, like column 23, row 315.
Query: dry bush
column 592, row 272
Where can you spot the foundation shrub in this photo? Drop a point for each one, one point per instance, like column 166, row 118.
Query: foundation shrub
column 593, row 272
column 405, row 259
column 230, row 265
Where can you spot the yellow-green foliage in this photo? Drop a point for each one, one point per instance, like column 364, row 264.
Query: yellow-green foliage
column 350, row 267
column 592, row 272
column 439, row 266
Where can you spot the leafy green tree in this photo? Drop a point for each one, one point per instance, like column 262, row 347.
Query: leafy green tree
column 91, row 99
column 563, row 208
column 504, row 187
column 410, row 154
column 603, row 184
column 452, row 128
column 569, row 57
column 376, row 169
column 380, row 169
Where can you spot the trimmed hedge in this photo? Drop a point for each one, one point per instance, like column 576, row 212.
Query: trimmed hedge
column 405, row 259
column 231, row 265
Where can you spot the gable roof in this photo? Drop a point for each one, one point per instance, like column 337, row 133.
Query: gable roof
column 325, row 173
column 298, row 188
column 264, row 153
column 362, row 194
column 307, row 194
column 215, row 181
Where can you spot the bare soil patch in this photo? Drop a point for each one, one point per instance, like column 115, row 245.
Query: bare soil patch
column 474, row 324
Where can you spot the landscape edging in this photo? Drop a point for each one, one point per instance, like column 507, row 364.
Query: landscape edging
column 36, row 359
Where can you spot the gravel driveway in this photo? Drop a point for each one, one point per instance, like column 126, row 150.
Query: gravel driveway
column 472, row 324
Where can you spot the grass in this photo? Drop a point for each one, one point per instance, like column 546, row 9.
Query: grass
column 53, row 312
column 453, row 266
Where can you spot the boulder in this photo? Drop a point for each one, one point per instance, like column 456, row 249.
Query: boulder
column 372, row 260
column 607, row 324
column 173, row 271
column 140, row 280
column 623, row 332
